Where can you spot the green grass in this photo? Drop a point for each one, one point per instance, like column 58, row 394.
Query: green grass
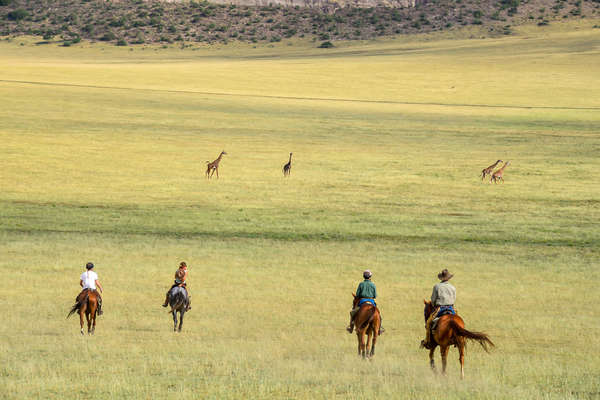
column 103, row 155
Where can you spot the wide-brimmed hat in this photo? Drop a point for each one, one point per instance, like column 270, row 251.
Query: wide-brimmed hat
column 89, row 265
column 367, row 274
column 444, row 275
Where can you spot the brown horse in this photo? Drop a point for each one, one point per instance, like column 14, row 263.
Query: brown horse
column 367, row 321
column 86, row 303
column 451, row 330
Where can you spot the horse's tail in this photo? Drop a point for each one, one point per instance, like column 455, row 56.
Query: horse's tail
column 179, row 300
column 480, row 337
column 370, row 319
column 78, row 305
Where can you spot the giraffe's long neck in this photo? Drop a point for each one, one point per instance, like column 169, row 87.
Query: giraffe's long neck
column 496, row 163
column 218, row 158
column 502, row 167
column 290, row 162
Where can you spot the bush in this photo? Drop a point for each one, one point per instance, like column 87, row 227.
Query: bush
column 5, row 2
column 17, row 15
column 108, row 36
column 326, row 45
column 121, row 42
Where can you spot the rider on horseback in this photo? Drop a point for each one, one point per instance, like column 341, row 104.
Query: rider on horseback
column 180, row 277
column 443, row 298
column 366, row 291
column 89, row 281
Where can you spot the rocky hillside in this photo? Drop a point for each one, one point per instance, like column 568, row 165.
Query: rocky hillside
column 139, row 21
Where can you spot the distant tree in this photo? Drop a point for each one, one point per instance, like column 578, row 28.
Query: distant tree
column 17, row 15
column 326, row 45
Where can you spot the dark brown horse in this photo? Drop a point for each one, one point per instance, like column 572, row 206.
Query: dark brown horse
column 86, row 303
column 451, row 330
column 367, row 321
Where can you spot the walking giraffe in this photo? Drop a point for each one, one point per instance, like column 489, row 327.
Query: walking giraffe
column 498, row 174
column 212, row 167
column 488, row 170
column 287, row 167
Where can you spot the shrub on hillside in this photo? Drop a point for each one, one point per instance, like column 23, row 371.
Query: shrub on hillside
column 17, row 15
column 5, row 2
column 326, row 45
column 108, row 36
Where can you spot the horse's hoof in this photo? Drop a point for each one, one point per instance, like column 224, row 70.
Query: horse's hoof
column 81, row 333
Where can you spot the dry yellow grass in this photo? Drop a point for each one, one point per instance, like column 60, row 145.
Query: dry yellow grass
column 103, row 155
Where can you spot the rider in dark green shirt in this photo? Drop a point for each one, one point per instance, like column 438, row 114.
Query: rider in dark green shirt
column 366, row 290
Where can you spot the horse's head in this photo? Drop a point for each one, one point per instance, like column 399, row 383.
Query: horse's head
column 355, row 301
column 428, row 309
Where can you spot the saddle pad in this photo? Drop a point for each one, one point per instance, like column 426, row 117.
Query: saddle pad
column 363, row 301
column 445, row 310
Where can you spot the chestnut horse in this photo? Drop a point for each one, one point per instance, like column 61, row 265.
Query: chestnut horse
column 451, row 330
column 367, row 321
column 86, row 303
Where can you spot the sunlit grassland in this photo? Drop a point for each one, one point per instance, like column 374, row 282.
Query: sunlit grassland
column 103, row 154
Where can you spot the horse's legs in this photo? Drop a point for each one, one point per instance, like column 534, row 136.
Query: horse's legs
column 361, row 343
column 461, row 356
column 93, row 309
column 181, row 313
column 444, row 351
column 432, row 359
column 89, row 320
column 368, row 345
column 358, row 340
column 81, row 312
column 174, row 320
column 374, row 341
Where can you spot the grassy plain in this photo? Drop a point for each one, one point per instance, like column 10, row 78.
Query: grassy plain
column 103, row 154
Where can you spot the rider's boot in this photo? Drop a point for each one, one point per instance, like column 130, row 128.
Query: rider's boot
column 166, row 303
column 427, row 342
column 350, row 327
column 189, row 305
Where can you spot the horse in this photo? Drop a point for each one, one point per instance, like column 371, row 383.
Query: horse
column 451, row 330
column 86, row 303
column 367, row 321
column 178, row 300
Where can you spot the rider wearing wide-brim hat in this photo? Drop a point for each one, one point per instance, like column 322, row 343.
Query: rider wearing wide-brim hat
column 443, row 298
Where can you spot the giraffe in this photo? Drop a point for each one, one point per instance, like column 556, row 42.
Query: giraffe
column 287, row 167
column 498, row 174
column 212, row 167
column 488, row 170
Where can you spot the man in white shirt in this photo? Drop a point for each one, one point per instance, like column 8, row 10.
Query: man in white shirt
column 89, row 281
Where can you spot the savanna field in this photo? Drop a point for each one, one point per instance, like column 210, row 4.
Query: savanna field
column 103, row 152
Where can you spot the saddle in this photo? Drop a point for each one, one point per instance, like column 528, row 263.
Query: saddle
column 440, row 312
